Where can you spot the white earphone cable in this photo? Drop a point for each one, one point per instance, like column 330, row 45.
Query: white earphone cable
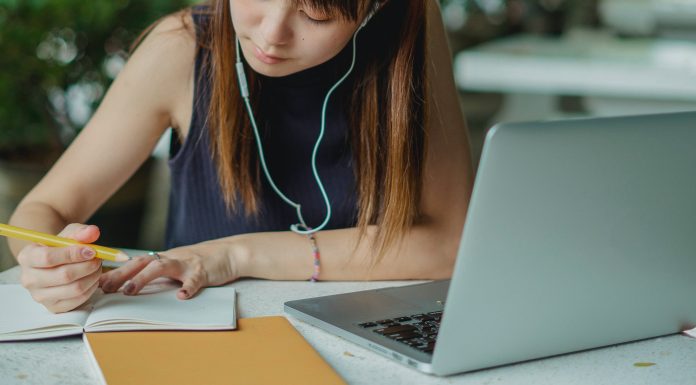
column 300, row 228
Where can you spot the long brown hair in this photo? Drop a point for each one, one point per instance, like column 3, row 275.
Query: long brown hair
column 386, row 117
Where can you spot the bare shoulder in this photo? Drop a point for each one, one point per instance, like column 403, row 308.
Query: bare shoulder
column 437, row 46
column 443, row 95
column 173, row 35
column 448, row 144
column 433, row 8
column 163, row 65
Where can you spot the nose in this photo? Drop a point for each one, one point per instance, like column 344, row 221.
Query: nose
column 276, row 29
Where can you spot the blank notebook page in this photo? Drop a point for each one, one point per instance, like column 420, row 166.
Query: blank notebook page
column 211, row 309
column 21, row 313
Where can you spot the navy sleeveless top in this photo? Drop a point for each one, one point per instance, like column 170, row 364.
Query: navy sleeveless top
column 289, row 119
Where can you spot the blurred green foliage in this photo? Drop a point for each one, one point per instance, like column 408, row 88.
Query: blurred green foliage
column 57, row 58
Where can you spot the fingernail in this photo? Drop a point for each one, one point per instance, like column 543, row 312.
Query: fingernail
column 129, row 289
column 87, row 253
column 185, row 293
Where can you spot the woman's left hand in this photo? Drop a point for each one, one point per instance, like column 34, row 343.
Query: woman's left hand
column 195, row 266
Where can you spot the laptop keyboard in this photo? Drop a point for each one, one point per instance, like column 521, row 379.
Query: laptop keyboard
column 418, row 331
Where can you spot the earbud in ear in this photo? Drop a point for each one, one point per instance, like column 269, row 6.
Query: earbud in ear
column 372, row 12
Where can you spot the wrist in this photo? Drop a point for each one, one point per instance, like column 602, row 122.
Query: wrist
column 240, row 256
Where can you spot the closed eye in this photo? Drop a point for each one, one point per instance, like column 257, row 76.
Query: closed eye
column 316, row 19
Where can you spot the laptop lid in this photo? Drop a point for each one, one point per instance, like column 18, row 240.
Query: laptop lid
column 580, row 234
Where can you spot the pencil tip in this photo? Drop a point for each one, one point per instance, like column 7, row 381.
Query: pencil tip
column 123, row 257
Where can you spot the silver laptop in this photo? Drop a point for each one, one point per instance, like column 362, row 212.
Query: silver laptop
column 580, row 234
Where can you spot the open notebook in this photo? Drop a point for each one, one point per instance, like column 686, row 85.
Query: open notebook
column 155, row 308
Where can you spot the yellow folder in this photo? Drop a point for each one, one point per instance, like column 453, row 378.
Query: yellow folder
column 266, row 350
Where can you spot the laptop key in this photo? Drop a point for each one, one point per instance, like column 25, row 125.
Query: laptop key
column 412, row 342
column 368, row 324
column 404, row 336
column 395, row 329
column 435, row 313
column 426, row 325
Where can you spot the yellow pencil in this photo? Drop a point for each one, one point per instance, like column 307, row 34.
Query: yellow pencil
column 105, row 253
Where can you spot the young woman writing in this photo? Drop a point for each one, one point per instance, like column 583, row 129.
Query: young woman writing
column 314, row 139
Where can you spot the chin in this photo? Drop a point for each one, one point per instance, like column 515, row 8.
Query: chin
column 272, row 70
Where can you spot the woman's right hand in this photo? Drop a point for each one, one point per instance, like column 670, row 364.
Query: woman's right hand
column 62, row 278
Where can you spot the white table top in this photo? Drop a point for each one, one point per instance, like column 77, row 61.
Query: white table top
column 65, row 360
column 584, row 63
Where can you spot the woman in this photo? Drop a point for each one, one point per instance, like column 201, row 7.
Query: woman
column 354, row 107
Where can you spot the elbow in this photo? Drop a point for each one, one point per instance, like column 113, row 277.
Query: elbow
column 444, row 264
column 443, row 229
column 444, row 255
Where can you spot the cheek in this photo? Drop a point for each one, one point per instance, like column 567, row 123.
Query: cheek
column 318, row 48
column 244, row 16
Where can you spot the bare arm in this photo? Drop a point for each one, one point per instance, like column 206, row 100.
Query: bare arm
column 136, row 110
column 120, row 136
column 427, row 251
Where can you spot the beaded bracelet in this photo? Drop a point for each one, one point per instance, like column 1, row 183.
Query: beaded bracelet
column 317, row 257
column 315, row 248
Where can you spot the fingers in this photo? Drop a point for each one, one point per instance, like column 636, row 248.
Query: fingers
column 192, row 278
column 40, row 256
column 114, row 279
column 190, row 287
column 137, row 273
column 62, row 278
column 80, row 232
column 67, row 297
column 154, row 269
column 72, row 303
column 61, row 275
column 179, row 264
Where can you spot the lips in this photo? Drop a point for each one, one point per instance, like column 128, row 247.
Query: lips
column 265, row 58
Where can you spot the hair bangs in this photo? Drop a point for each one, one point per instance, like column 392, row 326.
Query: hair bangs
column 349, row 10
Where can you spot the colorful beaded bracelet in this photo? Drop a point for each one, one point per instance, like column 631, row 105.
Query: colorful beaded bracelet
column 317, row 257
